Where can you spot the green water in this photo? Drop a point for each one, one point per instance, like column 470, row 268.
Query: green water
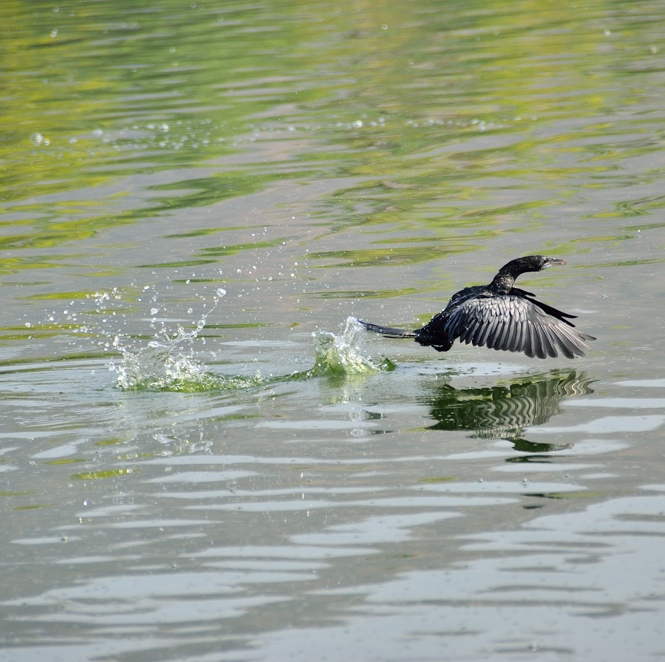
column 200, row 458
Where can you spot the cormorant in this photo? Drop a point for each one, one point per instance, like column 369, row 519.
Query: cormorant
column 501, row 317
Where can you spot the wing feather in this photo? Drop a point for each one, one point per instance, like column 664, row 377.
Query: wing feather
column 569, row 340
column 509, row 322
column 541, row 352
column 502, row 334
column 567, row 348
column 476, row 331
column 529, row 349
column 493, row 332
column 577, row 344
column 519, row 337
column 550, row 343
column 482, row 339
column 511, row 335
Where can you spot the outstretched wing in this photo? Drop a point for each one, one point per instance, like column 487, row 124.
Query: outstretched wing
column 550, row 310
column 507, row 322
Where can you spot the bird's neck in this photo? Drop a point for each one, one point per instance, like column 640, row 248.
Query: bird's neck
column 503, row 282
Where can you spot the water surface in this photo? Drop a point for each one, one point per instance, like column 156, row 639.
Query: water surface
column 201, row 458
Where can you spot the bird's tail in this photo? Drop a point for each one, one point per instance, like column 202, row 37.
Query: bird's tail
column 387, row 331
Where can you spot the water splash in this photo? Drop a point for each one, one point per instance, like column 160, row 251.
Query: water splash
column 343, row 354
column 167, row 363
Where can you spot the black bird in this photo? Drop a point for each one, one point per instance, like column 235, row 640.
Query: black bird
column 501, row 317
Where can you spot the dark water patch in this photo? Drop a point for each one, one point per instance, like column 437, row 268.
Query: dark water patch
column 362, row 294
column 247, row 325
column 179, row 265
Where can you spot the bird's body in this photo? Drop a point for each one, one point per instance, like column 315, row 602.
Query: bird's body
column 502, row 317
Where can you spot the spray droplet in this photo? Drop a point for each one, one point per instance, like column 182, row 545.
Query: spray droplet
column 221, row 292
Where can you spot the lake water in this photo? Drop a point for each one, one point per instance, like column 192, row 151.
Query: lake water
column 201, row 459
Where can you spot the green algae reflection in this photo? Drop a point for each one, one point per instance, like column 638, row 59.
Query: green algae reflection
column 102, row 475
column 442, row 99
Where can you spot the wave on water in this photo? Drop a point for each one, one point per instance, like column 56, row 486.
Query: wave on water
column 167, row 363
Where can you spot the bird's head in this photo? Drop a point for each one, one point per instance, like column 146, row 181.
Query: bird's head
column 544, row 261
column 530, row 263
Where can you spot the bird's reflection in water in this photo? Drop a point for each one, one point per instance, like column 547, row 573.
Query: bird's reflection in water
column 503, row 412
